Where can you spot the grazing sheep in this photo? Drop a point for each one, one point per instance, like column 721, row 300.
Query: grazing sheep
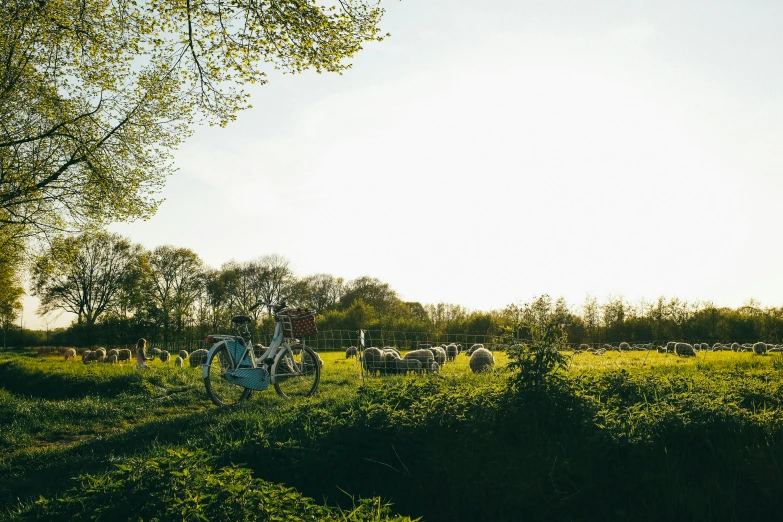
column 404, row 366
column 124, row 355
column 584, row 347
column 178, row 362
column 434, row 367
column 451, row 352
column 183, row 354
column 759, row 348
column 372, row 360
column 474, row 348
column 481, row 360
column 704, row 347
column 307, row 361
column 70, row 353
column 661, row 349
column 735, row 347
column 624, row 347
column 684, row 349
column 101, row 352
column 156, row 352
column 198, row 358
column 113, row 351
column 424, row 357
column 439, row 354
column 111, row 358
column 670, row 346
column 351, row 351
column 393, row 349
column 89, row 356
column 389, row 360
column 101, row 359
column 164, row 356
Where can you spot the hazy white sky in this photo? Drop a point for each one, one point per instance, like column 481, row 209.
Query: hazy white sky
column 492, row 151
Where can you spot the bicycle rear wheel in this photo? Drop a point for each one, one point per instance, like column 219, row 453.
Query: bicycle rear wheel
column 219, row 389
column 296, row 371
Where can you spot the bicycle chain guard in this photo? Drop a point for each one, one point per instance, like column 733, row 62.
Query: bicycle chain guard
column 253, row 378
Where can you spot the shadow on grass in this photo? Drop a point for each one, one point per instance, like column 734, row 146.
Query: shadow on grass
column 531, row 457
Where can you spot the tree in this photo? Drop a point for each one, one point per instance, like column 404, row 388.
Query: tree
column 11, row 290
column 83, row 274
column 273, row 278
column 174, row 281
column 96, row 95
column 322, row 291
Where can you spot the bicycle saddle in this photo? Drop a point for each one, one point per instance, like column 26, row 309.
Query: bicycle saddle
column 241, row 319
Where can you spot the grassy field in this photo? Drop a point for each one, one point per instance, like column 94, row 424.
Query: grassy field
column 624, row 436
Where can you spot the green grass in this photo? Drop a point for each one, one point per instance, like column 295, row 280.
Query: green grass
column 631, row 436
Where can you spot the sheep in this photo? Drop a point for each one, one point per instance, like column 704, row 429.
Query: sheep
column 183, row 354
column 661, row 349
column 584, row 347
column 434, row 367
column 89, row 356
column 393, row 349
column 198, row 358
column 351, row 351
column 178, row 362
column 424, row 357
column 307, row 361
column 101, row 352
column 451, row 352
column 735, row 347
column 704, row 347
column 111, row 358
column 389, row 360
column 164, row 356
column 113, row 351
column 404, row 366
column 670, row 346
column 684, row 349
column 474, row 348
column 439, row 354
column 124, row 355
column 624, row 347
column 101, row 359
column 155, row 352
column 372, row 360
column 759, row 348
column 70, row 353
column 481, row 360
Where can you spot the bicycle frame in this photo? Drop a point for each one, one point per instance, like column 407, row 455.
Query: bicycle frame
column 270, row 354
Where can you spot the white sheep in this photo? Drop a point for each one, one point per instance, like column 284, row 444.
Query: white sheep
column 178, row 362
column 111, row 358
column 404, row 366
column 307, row 360
column 759, row 348
column 670, row 346
column 88, row 356
column 70, row 353
column 164, row 356
column 124, row 354
column 451, row 352
column 351, row 351
column 684, row 349
column 474, row 348
column 424, row 356
column 100, row 351
column 481, row 360
column 198, row 358
column 113, row 351
column 439, row 354
column 372, row 359
column 183, row 354
column 624, row 347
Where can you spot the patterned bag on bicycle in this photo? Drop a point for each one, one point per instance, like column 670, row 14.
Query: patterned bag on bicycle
column 302, row 323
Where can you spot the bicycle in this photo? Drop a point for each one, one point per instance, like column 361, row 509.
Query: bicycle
column 232, row 371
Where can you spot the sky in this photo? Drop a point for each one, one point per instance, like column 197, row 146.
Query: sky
column 489, row 152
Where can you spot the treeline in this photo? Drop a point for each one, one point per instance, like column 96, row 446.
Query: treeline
column 119, row 292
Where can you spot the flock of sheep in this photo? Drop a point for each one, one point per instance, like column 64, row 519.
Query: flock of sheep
column 684, row 349
column 115, row 355
column 426, row 359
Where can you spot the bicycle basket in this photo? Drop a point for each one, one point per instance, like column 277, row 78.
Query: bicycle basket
column 298, row 323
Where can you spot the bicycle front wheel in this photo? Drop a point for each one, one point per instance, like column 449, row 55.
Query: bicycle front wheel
column 219, row 389
column 296, row 371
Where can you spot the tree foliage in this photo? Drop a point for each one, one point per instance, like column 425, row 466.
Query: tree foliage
column 96, row 94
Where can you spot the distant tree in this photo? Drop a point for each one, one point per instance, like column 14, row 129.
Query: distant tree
column 11, row 290
column 372, row 291
column 84, row 274
column 273, row 279
column 174, row 281
column 322, row 291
